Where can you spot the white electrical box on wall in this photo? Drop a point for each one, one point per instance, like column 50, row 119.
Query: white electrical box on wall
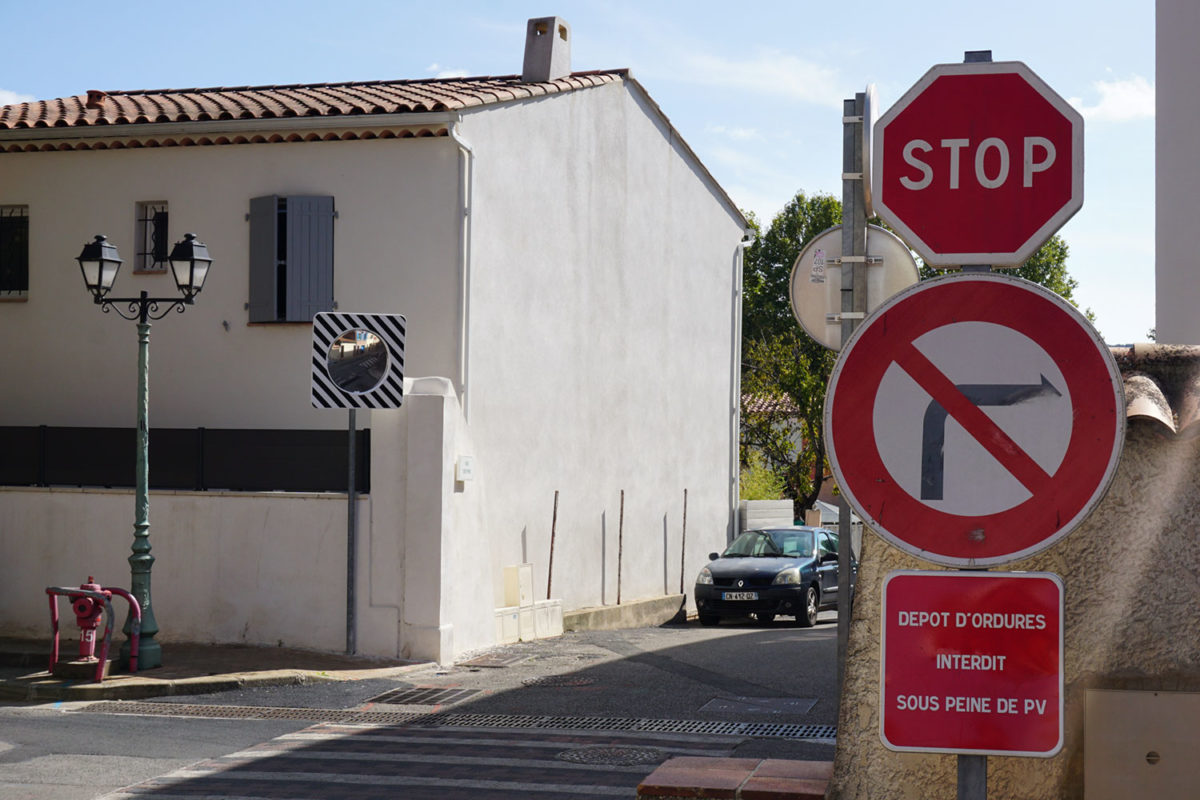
column 464, row 468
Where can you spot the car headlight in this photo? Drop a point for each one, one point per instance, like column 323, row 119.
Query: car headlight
column 787, row 577
column 705, row 577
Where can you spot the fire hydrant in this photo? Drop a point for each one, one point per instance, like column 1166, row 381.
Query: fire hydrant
column 90, row 601
column 88, row 611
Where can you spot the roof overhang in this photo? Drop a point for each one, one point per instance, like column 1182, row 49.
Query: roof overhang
column 236, row 131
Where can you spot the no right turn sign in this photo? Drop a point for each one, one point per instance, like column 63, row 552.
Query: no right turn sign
column 973, row 421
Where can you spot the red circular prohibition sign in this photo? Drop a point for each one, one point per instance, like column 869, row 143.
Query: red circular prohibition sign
column 1058, row 502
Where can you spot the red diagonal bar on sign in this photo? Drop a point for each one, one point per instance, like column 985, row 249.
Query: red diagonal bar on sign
column 976, row 423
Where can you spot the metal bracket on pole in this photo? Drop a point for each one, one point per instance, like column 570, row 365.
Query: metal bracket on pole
column 854, row 260
column 845, row 315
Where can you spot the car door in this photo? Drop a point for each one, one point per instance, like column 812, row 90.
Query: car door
column 827, row 565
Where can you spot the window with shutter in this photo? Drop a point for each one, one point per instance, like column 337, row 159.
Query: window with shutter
column 153, row 243
column 14, row 252
column 291, row 257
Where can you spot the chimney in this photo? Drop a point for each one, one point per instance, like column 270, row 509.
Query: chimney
column 95, row 98
column 547, row 50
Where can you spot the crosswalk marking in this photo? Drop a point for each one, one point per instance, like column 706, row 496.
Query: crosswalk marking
column 361, row 762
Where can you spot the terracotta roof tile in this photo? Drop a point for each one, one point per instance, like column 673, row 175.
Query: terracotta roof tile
column 142, row 106
column 770, row 405
column 1162, row 386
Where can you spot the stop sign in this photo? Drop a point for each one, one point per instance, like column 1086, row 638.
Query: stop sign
column 978, row 163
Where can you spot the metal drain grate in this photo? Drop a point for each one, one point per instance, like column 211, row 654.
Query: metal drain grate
column 559, row 680
column 494, row 660
column 782, row 731
column 629, row 756
column 757, row 729
column 444, row 720
column 424, row 696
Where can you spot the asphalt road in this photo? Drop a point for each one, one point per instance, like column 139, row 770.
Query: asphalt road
column 610, row 704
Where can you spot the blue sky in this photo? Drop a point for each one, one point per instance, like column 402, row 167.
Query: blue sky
column 755, row 88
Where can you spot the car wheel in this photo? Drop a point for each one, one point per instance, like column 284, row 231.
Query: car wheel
column 764, row 618
column 708, row 620
column 808, row 617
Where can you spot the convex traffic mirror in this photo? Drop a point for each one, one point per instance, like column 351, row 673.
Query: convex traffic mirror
column 357, row 361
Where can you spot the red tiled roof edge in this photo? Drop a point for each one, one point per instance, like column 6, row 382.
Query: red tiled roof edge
column 96, row 108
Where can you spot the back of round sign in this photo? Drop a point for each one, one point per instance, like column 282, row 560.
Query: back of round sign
column 816, row 280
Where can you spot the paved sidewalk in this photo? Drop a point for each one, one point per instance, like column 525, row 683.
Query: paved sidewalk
column 187, row 669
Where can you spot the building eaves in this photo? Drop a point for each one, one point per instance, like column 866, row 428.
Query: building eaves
column 167, row 117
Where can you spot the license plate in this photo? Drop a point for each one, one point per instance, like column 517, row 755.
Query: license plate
column 741, row 595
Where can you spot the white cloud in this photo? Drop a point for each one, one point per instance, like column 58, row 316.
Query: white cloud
column 1120, row 101
column 8, row 98
column 769, row 72
column 440, row 72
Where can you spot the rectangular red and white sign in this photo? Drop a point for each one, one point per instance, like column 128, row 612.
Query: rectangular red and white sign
column 972, row 663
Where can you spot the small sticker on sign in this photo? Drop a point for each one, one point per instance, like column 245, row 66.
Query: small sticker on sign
column 817, row 275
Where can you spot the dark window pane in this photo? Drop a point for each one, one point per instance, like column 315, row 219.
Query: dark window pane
column 14, row 250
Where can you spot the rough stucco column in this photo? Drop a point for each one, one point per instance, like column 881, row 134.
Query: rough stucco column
column 1130, row 572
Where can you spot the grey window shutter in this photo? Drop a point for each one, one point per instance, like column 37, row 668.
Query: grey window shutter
column 263, row 258
column 310, row 257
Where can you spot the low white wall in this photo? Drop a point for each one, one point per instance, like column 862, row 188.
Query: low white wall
column 270, row 568
column 229, row 567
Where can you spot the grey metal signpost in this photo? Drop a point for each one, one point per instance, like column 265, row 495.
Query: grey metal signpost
column 854, row 307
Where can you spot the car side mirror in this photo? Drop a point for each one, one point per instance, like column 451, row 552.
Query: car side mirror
column 713, row 556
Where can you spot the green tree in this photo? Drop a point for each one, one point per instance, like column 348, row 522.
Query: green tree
column 758, row 482
column 1047, row 266
column 784, row 372
column 766, row 307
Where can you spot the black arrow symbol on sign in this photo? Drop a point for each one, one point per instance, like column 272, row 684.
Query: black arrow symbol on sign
column 933, row 432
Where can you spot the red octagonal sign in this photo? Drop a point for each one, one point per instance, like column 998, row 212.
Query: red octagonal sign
column 978, row 163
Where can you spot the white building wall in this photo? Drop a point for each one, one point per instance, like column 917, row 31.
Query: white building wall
column 229, row 567
column 601, row 299
column 395, row 251
column 603, row 279
column 1177, row 171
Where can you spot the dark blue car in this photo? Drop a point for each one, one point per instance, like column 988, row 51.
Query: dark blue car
column 773, row 572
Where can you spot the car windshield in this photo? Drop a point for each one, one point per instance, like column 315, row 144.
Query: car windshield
column 771, row 543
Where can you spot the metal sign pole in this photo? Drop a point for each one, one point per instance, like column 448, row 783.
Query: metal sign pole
column 972, row 770
column 351, row 541
column 854, row 306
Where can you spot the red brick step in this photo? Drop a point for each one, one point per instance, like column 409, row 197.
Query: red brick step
column 737, row 779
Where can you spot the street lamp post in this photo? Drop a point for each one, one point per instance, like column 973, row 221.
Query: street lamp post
column 100, row 262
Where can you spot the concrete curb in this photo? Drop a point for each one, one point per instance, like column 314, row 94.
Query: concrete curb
column 133, row 687
column 636, row 614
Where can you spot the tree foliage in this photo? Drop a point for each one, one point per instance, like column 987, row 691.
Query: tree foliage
column 757, row 481
column 785, row 372
column 766, row 308
column 1047, row 266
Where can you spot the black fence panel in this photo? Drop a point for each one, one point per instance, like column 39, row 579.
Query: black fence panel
column 196, row 459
